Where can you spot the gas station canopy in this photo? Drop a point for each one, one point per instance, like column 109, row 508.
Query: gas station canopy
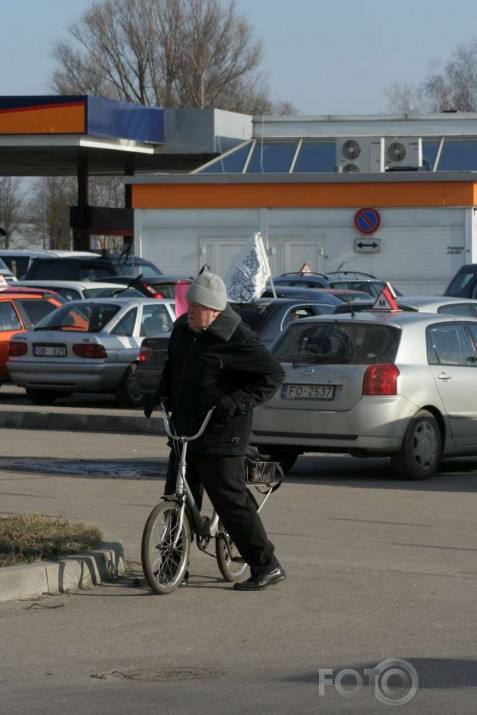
column 87, row 136
column 66, row 135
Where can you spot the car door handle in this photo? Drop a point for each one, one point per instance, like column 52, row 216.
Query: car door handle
column 444, row 376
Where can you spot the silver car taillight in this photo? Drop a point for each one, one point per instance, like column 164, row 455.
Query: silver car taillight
column 380, row 380
column 17, row 349
column 90, row 350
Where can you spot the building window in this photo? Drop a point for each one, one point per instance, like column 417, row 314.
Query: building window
column 458, row 155
column 302, row 156
column 271, row 157
column 231, row 163
column 315, row 156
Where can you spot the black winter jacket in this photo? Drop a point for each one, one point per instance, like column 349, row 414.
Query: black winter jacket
column 227, row 358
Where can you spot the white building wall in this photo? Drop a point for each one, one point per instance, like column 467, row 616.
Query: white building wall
column 420, row 249
column 471, row 254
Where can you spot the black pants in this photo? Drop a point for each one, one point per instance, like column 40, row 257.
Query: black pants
column 224, row 482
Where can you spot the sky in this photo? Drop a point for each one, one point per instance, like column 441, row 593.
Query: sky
column 323, row 56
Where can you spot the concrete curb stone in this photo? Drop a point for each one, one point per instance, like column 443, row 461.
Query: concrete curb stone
column 80, row 419
column 68, row 574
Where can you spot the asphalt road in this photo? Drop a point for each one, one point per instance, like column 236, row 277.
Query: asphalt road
column 377, row 569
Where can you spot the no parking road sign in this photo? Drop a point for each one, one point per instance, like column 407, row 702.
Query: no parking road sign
column 367, row 220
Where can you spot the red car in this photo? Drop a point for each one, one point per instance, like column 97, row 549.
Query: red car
column 20, row 308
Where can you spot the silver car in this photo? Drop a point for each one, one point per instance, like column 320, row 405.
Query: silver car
column 396, row 384
column 88, row 346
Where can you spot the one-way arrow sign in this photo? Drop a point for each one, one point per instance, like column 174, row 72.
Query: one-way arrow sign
column 367, row 245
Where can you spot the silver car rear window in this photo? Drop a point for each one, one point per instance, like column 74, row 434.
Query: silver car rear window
column 332, row 343
column 83, row 318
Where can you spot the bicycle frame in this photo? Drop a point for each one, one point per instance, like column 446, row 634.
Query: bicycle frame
column 183, row 494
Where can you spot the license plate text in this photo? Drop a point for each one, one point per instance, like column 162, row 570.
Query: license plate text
column 308, row 392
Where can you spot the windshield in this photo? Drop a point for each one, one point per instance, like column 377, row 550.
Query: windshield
column 333, row 343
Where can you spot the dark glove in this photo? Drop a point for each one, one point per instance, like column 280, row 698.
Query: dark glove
column 225, row 408
column 149, row 405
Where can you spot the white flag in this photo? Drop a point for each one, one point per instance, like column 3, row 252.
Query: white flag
column 247, row 277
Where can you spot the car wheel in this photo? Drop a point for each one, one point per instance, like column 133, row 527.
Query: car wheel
column 128, row 392
column 285, row 458
column 41, row 397
column 421, row 448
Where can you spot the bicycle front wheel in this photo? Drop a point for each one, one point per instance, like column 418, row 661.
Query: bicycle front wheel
column 228, row 557
column 165, row 547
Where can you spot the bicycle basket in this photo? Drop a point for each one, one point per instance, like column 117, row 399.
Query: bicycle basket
column 259, row 472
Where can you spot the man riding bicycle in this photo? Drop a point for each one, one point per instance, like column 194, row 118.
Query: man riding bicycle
column 215, row 359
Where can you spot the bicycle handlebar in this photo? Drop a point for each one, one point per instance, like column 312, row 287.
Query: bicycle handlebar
column 176, row 438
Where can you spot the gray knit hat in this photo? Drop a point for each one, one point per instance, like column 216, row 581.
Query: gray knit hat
column 208, row 290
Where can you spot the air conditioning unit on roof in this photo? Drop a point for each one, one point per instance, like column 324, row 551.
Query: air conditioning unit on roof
column 403, row 153
column 363, row 155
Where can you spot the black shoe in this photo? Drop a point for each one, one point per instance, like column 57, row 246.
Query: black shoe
column 258, row 581
column 185, row 579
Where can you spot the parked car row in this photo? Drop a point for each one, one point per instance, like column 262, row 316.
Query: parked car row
column 87, row 346
column 358, row 381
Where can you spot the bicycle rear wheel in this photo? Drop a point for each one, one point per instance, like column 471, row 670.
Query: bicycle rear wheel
column 229, row 560
column 165, row 563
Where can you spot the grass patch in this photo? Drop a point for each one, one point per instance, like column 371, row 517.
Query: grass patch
column 25, row 538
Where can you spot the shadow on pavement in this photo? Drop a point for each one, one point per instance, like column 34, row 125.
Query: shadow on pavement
column 456, row 475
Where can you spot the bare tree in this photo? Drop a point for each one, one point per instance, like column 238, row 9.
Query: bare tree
column 49, row 210
column 49, row 206
column 455, row 88
column 404, row 98
column 106, row 191
column 172, row 53
column 11, row 208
